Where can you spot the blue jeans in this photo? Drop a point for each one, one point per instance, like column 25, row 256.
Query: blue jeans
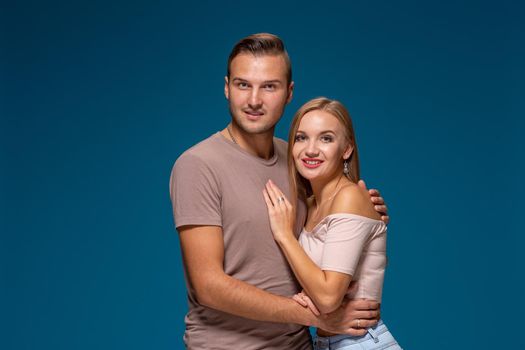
column 377, row 338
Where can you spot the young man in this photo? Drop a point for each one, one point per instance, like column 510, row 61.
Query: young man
column 239, row 284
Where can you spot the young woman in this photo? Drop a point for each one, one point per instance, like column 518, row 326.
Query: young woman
column 343, row 239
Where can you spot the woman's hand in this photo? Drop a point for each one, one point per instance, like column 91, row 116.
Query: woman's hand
column 304, row 300
column 280, row 211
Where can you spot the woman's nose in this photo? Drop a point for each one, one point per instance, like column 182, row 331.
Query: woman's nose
column 311, row 149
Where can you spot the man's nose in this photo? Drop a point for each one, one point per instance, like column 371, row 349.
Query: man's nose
column 255, row 98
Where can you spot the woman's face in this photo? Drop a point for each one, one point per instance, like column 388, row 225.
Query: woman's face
column 320, row 146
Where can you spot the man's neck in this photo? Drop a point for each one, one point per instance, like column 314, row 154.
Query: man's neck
column 260, row 145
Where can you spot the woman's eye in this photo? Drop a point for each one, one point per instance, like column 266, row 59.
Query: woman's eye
column 299, row 138
column 327, row 138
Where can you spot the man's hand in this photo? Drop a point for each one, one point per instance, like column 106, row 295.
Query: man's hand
column 353, row 317
column 379, row 202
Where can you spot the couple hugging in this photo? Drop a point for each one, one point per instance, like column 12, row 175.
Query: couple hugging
column 277, row 236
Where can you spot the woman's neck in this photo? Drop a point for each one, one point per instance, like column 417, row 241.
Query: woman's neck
column 325, row 190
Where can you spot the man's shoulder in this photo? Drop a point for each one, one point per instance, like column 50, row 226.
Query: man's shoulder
column 281, row 145
column 280, row 142
column 202, row 150
column 197, row 162
column 213, row 152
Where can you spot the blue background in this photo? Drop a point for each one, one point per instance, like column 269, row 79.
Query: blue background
column 98, row 99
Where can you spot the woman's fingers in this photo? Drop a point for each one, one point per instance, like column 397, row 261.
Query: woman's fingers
column 305, row 301
column 287, row 202
column 271, row 194
column 278, row 196
column 311, row 305
column 300, row 300
column 274, row 192
column 267, row 199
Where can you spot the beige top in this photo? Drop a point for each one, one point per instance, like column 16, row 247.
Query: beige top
column 217, row 183
column 351, row 244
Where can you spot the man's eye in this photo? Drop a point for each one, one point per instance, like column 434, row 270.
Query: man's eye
column 270, row 87
column 242, row 85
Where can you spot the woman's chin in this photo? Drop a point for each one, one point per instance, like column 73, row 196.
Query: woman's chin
column 306, row 174
column 309, row 176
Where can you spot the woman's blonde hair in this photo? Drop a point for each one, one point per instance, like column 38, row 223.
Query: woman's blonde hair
column 300, row 186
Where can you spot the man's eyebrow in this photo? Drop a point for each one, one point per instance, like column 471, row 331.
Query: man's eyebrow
column 273, row 81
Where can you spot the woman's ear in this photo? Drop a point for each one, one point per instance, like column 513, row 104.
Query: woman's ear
column 348, row 152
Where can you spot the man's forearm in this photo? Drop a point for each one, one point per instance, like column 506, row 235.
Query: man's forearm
column 236, row 297
column 203, row 254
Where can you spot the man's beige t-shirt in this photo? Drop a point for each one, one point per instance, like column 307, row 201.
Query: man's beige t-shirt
column 219, row 184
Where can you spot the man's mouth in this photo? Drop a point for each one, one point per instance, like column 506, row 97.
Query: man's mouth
column 253, row 115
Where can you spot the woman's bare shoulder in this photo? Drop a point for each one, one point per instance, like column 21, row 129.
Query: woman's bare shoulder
column 353, row 199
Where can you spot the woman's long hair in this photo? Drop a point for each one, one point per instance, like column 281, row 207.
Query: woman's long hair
column 300, row 186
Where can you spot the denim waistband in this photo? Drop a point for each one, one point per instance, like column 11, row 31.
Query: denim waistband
column 372, row 333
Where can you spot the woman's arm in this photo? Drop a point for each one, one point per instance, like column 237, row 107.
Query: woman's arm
column 326, row 288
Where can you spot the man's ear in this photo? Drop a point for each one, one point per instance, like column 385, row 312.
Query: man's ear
column 226, row 88
column 290, row 92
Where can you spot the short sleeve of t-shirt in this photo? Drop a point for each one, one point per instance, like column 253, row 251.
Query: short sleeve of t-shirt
column 345, row 239
column 194, row 193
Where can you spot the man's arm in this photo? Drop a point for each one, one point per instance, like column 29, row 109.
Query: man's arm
column 379, row 202
column 203, row 253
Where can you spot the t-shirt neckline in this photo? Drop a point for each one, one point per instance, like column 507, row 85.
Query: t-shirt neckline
column 245, row 153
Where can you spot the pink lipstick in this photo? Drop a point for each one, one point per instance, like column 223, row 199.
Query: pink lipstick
column 311, row 163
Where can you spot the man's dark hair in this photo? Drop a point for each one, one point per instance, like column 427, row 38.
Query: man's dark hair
column 261, row 44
